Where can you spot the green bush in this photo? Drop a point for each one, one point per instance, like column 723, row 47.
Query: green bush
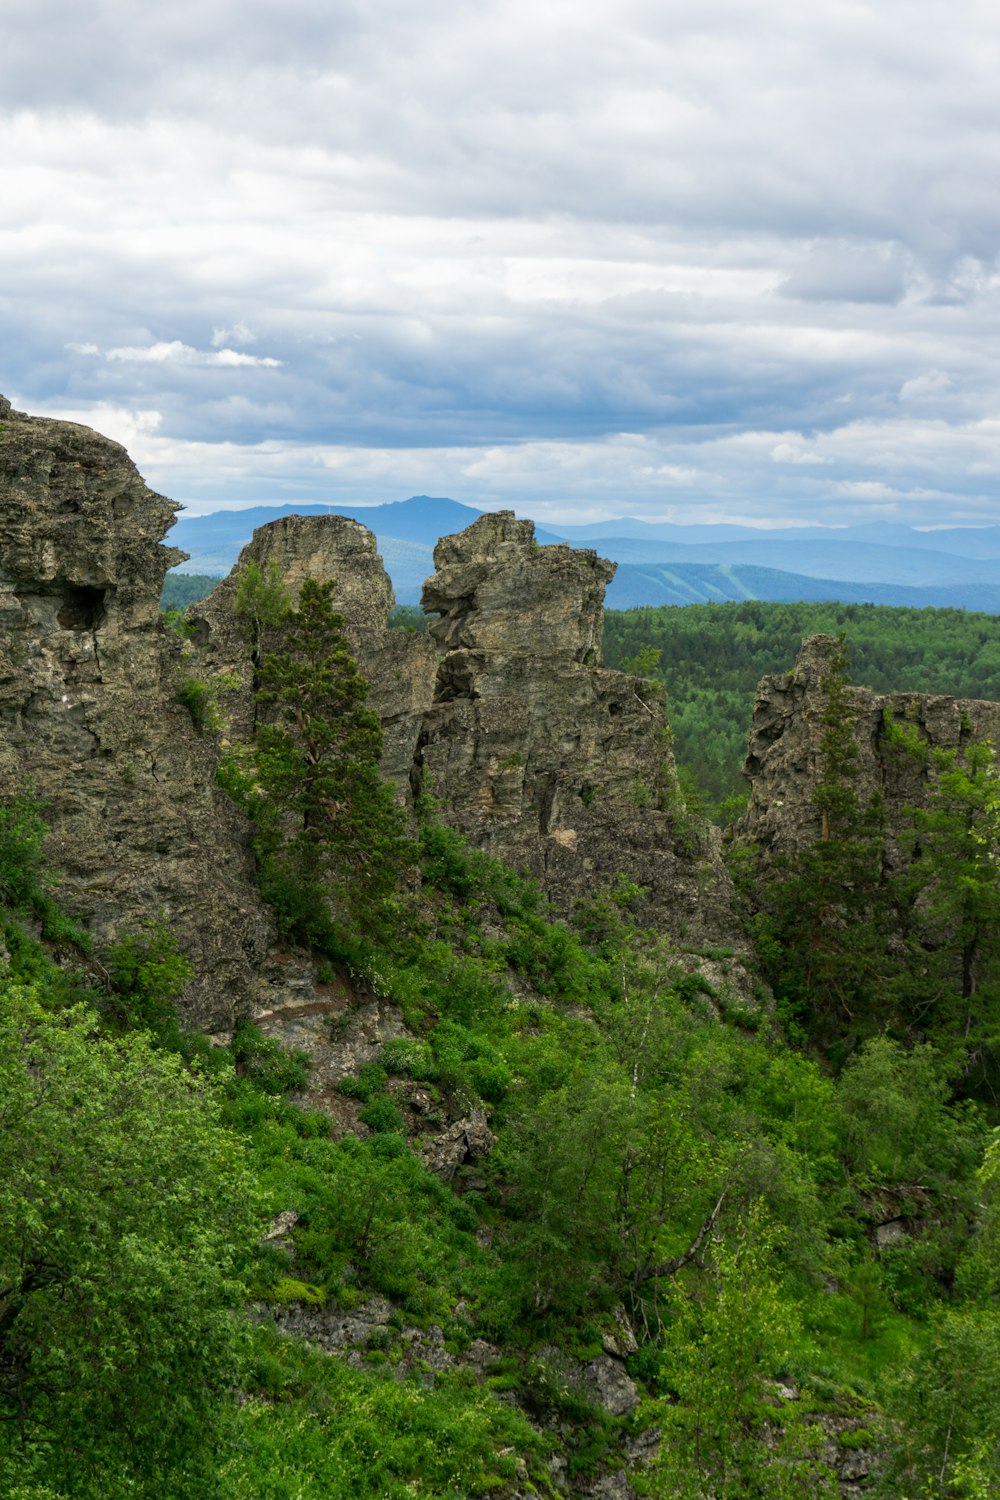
column 289, row 1292
column 407, row 1058
column 370, row 1080
column 491, row 1080
column 272, row 1067
column 196, row 695
column 147, row 974
column 314, row 1426
column 380, row 1114
column 24, row 883
column 22, row 830
column 125, row 1211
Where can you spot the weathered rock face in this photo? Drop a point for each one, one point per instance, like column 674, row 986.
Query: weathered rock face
column 89, row 718
column 400, row 669
column 502, row 711
column 497, row 590
column 321, row 547
column 785, row 758
column 542, row 757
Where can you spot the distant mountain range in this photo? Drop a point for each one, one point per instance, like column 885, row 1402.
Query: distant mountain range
column 879, row 563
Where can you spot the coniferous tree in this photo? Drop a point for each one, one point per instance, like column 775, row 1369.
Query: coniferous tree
column 949, row 902
column 328, row 827
column 822, row 921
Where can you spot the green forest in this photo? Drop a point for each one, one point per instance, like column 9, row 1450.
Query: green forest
column 712, row 656
column 182, row 589
column 777, row 1201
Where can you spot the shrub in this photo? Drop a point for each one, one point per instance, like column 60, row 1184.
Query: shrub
column 369, row 1081
column 380, row 1114
column 289, row 1292
column 147, row 974
column 491, row 1080
column 198, row 698
column 407, row 1058
column 272, row 1067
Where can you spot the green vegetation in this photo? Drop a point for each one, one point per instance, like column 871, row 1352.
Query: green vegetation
column 797, row 1212
column 125, row 1208
column 822, row 916
column 328, row 832
column 182, row 589
column 26, row 889
column 262, row 601
column 711, row 657
column 410, row 617
column 853, row 950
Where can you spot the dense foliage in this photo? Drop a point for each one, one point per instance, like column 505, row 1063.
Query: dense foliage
column 125, row 1207
column 795, row 1199
column 709, row 1177
column 182, row 589
column 327, row 828
column 711, row 657
column 856, row 939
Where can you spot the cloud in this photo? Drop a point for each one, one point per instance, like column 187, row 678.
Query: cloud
column 928, row 472
column 239, row 334
column 927, row 387
column 869, row 489
column 489, row 238
column 789, row 453
column 846, row 272
column 175, row 352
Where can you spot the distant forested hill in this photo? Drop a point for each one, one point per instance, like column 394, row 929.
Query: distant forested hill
column 182, row 589
column 655, row 584
column 713, row 655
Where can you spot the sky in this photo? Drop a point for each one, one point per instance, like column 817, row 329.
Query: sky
column 686, row 260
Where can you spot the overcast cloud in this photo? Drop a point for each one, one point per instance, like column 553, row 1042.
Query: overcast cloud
column 683, row 259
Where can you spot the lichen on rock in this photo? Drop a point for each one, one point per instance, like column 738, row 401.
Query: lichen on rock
column 785, row 757
column 89, row 719
column 501, row 711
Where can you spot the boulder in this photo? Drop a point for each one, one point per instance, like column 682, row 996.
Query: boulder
column 466, row 1141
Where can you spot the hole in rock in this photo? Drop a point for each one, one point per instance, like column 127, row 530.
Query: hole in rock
column 82, row 608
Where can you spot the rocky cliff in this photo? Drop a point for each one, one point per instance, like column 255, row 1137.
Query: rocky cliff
column 502, row 711
column 784, row 761
column 542, row 756
column 400, row 668
column 89, row 717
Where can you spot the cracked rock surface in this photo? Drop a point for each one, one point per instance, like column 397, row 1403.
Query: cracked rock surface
column 89, row 721
column 502, row 710
column 785, row 760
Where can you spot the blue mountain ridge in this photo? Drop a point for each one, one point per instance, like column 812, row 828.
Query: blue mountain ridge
column 664, row 563
column 636, row 585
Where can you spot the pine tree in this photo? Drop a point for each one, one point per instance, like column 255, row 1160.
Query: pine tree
column 949, row 901
column 823, row 911
column 328, row 828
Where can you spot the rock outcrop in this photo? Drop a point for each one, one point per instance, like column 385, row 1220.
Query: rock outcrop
column 464, row 1142
column 785, row 756
column 539, row 754
column 400, row 668
column 495, row 589
column 502, row 710
column 89, row 721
